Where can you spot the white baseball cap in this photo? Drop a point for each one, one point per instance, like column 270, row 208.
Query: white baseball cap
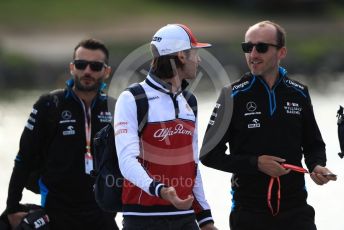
column 173, row 38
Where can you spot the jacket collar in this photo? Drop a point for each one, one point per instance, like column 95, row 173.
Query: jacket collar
column 282, row 73
column 163, row 86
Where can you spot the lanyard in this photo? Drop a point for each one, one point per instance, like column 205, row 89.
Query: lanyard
column 294, row 168
column 271, row 183
column 272, row 180
column 88, row 125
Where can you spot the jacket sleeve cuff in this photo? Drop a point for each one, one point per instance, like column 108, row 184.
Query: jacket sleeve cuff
column 204, row 217
column 311, row 168
column 254, row 162
column 155, row 188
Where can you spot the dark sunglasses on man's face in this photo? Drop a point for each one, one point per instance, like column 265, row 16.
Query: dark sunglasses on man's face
column 261, row 47
column 94, row 65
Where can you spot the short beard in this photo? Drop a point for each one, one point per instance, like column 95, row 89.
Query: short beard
column 84, row 88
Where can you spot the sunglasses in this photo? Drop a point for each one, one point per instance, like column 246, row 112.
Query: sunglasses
column 94, row 65
column 261, row 47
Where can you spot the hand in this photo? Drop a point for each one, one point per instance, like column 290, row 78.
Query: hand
column 15, row 218
column 209, row 226
column 170, row 195
column 318, row 175
column 271, row 166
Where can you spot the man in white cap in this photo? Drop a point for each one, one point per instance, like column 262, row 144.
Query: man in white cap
column 163, row 186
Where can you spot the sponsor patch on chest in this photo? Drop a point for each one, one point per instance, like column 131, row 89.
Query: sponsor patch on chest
column 255, row 123
column 292, row 108
column 179, row 129
column 67, row 117
column 251, row 109
column 68, row 131
column 105, row 117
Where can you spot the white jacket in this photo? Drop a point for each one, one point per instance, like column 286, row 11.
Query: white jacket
column 166, row 153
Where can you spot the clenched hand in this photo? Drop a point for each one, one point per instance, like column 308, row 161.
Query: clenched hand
column 271, row 165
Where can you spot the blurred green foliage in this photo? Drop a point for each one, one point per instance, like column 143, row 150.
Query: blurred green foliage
column 308, row 49
column 313, row 49
column 23, row 13
column 13, row 60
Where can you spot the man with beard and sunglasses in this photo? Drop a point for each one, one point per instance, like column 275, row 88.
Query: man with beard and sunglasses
column 268, row 122
column 58, row 134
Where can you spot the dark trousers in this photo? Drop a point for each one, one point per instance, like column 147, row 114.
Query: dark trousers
column 90, row 220
column 181, row 222
column 301, row 218
column 68, row 216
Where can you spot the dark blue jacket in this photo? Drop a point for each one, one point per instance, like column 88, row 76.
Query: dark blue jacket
column 55, row 133
column 256, row 120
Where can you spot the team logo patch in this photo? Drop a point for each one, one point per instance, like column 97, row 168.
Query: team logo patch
column 251, row 108
column 241, row 85
column 70, row 131
column 214, row 114
column 105, row 117
column 153, row 98
column 292, row 83
column 66, row 115
column 292, row 108
column 162, row 134
column 254, row 124
column 156, row 39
